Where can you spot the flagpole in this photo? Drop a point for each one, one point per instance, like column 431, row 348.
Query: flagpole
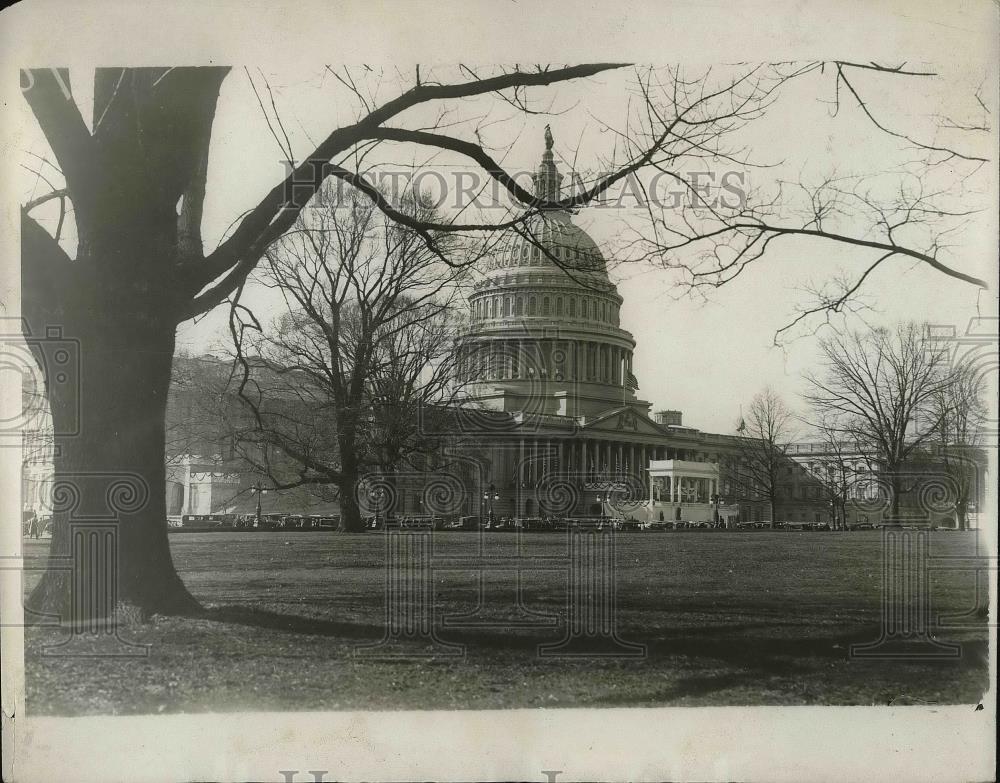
column 623, row 381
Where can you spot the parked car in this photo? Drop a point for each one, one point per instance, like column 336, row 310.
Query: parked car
column 463, row 523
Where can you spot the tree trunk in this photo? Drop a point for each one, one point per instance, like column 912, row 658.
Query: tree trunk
column 895, row 488
column 108, row 419
column 350, row 511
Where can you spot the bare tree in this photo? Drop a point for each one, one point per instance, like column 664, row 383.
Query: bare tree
column 337, row 383
column 136, row 177
column 876, row 391
column 412, row 386
column 833, row 467
column 959, row 408
column 196, row 419
column 912, row 211
column 765, row 434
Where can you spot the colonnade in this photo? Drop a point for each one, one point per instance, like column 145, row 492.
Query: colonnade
column 584, row 460
column 603, row 309
column 517, row 359
column 681, row 488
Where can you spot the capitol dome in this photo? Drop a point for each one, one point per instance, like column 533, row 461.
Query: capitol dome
column 545, row 311
column 552, row 240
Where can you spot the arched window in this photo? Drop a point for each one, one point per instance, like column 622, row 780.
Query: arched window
column 532, row 306
column 493, row 308
column 559, row 306
column 584, row 308
column 508, row 306
column 572, row 307
column 604, row 314
column 520, row 305
column 546, row 307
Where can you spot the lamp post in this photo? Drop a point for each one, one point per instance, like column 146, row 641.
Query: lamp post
column 260, row 491
column 606, row 498
column 833, row 514
column 715, row 510
column 489, row 496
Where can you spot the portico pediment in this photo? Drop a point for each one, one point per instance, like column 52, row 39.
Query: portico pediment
column 623, row 421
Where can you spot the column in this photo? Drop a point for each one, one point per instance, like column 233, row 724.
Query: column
column 584, row 465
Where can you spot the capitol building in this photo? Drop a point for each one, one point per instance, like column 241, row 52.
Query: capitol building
column 552, row 414
column 549, row 421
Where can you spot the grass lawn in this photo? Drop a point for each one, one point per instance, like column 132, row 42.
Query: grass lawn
column 726, row 618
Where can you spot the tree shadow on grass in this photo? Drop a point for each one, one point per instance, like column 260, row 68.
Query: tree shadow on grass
column 290, row 623
column 744, row 646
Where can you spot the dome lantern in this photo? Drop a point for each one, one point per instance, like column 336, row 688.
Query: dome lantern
column 548, row 179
